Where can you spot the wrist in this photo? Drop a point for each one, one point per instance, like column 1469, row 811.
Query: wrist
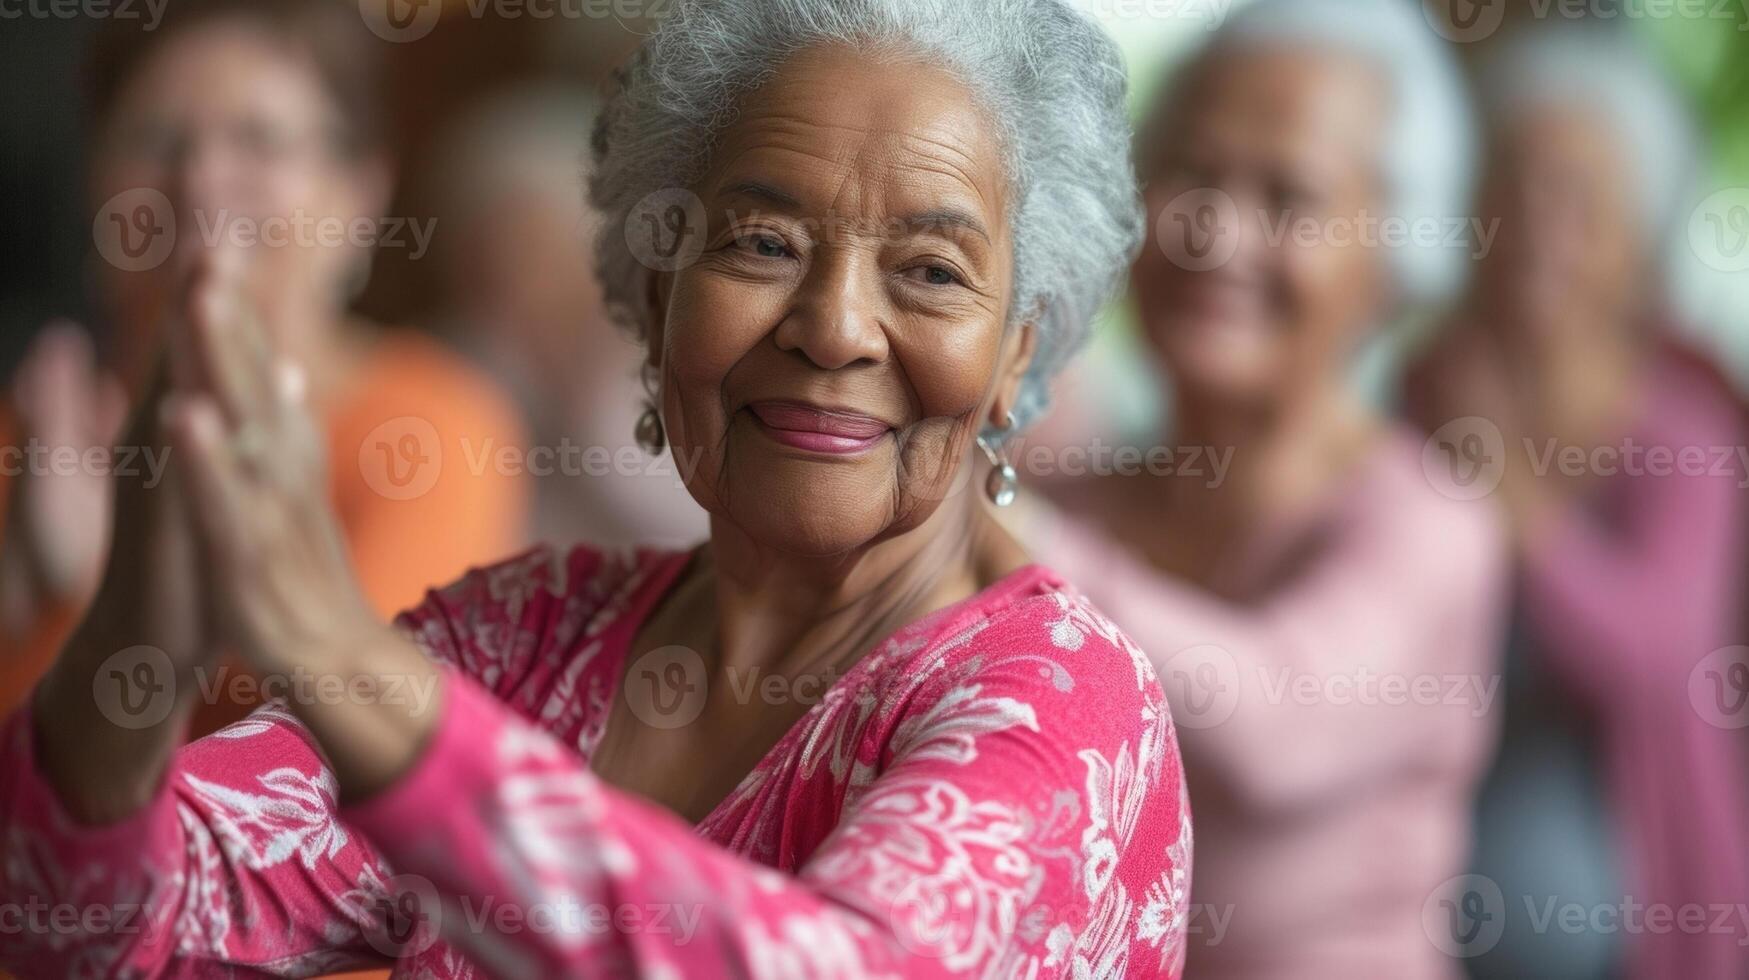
column 373, row 702
column 108, row 719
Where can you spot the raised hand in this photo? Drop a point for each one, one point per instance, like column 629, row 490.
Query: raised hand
column 282, row 588
column 58, row 523
column 105, row 730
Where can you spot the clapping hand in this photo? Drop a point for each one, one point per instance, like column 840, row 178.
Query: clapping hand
column 282, row 588
column 58, row 524
column 284, row 593
column 237, row 549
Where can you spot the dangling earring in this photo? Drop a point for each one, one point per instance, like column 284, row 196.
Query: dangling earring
column 1002, row 482
column 649, row 431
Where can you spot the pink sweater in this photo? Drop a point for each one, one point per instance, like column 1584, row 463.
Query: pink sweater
column 993, row 791
column 1637, row 603
column 1334, row 725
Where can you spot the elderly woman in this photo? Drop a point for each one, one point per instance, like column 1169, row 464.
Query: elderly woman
column 1323, row 620
column 856, row 734
column 1623, row 779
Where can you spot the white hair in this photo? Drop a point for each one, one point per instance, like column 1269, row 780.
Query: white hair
column 1429, row 149
column 1050, row 79
column 1610, row 76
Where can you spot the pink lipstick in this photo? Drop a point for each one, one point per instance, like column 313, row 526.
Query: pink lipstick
column 817, row 429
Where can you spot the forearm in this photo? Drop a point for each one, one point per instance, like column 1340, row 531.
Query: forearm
column 631, row 891
column 372, row 700
column 102, row 769
column 238, row 824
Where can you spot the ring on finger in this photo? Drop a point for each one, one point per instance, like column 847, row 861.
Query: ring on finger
column 250, row 444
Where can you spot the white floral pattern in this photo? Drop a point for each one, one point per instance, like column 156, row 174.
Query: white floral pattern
column 991, row 792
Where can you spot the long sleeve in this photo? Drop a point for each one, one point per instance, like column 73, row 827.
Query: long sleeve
column 1654, row 589
column 1378, row 654
column 1024, row 813
column 941, row 865
column 1625, row 610
column 238, row 865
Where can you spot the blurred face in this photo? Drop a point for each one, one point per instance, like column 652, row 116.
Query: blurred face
column 1290, row 138
column 1568, row 251
column 233, row 128
column 830, row 358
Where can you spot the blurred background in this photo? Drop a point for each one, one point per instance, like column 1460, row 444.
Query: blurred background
column 1605, row 164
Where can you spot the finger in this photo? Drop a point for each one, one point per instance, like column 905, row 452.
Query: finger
column 291, row 384
column 229, row 350
column 55, row 382
column 216, row 486
column 296, row 455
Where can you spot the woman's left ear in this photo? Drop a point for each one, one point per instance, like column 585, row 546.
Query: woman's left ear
column 1017, row 357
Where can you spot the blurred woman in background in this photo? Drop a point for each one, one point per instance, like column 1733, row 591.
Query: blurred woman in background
column 516, row 230
column 1619, row 778
column 236, row 120
column 1324, row 558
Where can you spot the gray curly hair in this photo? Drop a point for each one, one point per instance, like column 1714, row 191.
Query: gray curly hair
column 1050, row 79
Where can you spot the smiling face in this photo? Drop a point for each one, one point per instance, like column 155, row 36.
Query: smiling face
column 828, row 361
column 1291, row 137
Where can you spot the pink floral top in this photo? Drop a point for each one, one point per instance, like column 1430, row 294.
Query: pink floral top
column 993, row 791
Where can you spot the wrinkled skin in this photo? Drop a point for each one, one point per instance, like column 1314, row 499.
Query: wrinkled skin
column 872, row 284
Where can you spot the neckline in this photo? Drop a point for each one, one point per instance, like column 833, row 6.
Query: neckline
column 1030, row 578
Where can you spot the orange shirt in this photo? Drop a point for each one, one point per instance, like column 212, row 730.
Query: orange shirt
column 411, row 448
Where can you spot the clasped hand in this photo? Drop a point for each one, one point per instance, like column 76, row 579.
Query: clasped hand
column 237, row 549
